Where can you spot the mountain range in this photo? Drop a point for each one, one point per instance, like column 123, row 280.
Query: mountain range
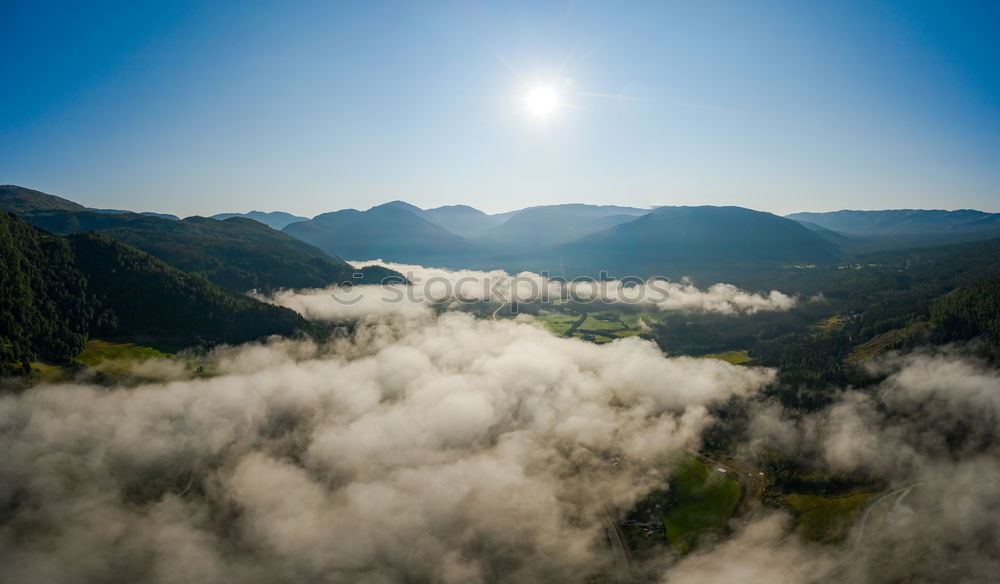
column 569, row 240
column 903, row 221
column 68, row 273
column 246, row 250
column 870, row 231
column 548, row 225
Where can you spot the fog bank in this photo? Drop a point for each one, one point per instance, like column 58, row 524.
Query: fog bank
column 441, row 449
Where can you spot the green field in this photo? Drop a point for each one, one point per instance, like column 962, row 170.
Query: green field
column 732, row 357
column 627, row 333
column 97, row 352
column 825, row 519
column 834, row 323
column 602, row 322
column 47, row 373
column 887, row 341
column 701, row 501
column 599, row 326
column 112, row 358
column 558, row 322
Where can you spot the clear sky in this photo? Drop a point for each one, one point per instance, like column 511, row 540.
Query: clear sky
column 199, row 108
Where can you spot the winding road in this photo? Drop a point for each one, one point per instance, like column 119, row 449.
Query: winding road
column 863, row 522
column 572, row 328
column 622, row 572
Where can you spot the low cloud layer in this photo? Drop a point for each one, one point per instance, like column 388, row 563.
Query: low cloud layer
column 438, row 286
column 442, row 449
column 933, row 405
column 929, row 433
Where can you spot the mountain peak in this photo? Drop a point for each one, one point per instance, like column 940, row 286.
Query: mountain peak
column 396, row 231
column 456, row 209
column 397, row 204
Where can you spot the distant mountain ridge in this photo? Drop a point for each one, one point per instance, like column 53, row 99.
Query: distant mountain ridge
column 556, row 224
column 169, row 216
column 569, row 239
column 394, row 231
column 903, row 221
column 574, row 239
column 456, row 235
column 675, row 241
column 463, row 220
column 273, row 219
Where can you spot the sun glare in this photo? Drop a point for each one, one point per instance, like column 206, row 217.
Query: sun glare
column 541, row 102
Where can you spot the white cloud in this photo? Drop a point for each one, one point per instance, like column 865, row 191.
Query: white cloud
column 445, row 449
column 440, row 286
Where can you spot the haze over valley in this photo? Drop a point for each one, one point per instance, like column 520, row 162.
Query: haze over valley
column 777, row 416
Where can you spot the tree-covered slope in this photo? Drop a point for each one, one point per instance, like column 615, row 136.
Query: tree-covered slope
column 969, row 312
column 237, row 253
column 44, row 308
column 149, row 298
column 55, row 292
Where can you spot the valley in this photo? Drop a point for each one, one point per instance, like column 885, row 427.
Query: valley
column 549, row 292
column 830, row 317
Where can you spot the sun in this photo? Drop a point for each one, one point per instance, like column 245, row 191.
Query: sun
column 542, row 101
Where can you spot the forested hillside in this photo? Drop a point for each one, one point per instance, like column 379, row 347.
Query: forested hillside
column 58, row 291
column 237, row 253
column 969, row 312
column 152, row 299
column 849, row 314
column 44, row 308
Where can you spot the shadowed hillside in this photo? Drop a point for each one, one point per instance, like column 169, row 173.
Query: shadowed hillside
column 58, row 291
column 237, row 253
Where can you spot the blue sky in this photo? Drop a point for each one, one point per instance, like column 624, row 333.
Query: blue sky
column 199, row 108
